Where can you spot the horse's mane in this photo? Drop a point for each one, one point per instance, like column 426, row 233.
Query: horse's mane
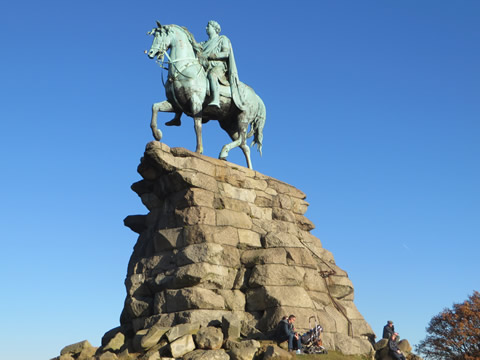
column 197, row 48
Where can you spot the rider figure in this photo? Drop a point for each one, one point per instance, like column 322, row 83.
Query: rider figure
column 220, row 66
column 218, row 60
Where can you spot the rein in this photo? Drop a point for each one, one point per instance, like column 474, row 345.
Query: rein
column 172, row 62
column 177, row 70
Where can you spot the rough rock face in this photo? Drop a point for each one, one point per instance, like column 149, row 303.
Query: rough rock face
column 222, row 240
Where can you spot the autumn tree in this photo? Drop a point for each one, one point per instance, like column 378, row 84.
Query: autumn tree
column 454, row 334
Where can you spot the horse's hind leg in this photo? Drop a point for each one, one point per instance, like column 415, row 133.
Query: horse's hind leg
column 226, row 148
column 239, row 139
column 163, row 106
column 243, row 127
column 196, row 106
column 246, row 152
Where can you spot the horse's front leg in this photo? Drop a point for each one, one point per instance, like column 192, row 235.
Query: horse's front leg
column 163, row 106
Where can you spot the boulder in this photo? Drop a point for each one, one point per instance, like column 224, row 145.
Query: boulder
column 195, row 215
column 276, row 275
column 352, row 346
column 202, row 317
column 182, row 330
column 107, row 356
column 281, row 239
column 75, row 349
column 197, row 234
column 231, row 326
column 339, row 286
column 274, row 352
column 404, row 346
column 247, row 195
column 282, row 214
column 265, row 297
column 242, row 350
column 152, row 336
column 207, row 355
column 111, row 333
column 207, row 275
column 116, row 343
column 211, row 253
column 254, row 257
column 380, row 344
column 193, row 298
column 66, row 357
column 152, row 356
column 234, row 299
column 162, row 348
column 250, row 332
column 126, row 355
column 236, row 219
column 249, row 238
column 87, row 353
column 182, row 346
column 209, row 338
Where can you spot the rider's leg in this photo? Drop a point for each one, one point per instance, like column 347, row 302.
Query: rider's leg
column 214, row 89
column 176, row 120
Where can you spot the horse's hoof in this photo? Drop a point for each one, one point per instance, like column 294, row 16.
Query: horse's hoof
column 222, row 158
column 157, row 135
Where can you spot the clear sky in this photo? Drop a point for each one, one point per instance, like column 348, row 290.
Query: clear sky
column 372, row 110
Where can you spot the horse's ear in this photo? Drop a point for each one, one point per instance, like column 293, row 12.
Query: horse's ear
column 158, row 24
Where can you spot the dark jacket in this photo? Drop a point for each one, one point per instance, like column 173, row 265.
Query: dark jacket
column 392, row 346
column 283, row 330
column 388, row 331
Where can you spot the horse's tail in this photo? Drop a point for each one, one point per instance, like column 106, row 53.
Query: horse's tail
column 256, row 127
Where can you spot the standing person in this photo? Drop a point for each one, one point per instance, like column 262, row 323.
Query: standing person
column 220, row 65
column 286, row 331
column 388, row 330
column 393, row 349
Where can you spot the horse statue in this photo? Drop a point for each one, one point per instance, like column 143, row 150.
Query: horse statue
column 187, row 91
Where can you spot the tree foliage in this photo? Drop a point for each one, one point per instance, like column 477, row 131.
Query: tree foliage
column 454, row 334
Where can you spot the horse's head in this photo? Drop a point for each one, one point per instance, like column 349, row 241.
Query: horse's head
column 161, row 42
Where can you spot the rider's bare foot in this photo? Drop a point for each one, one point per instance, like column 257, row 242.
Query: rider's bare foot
column 174, row 122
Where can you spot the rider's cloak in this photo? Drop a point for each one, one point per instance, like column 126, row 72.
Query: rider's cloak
column 214, row 46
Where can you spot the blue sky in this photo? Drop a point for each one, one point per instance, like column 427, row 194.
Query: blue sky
column 372, row 110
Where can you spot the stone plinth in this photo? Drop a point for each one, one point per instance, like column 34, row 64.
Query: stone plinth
column 220, row 239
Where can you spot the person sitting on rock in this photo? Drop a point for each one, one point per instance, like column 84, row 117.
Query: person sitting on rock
column 388, row 330
column 393, row 349
column 285, row 331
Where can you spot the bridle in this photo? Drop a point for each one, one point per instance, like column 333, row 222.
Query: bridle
column 162, row 51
